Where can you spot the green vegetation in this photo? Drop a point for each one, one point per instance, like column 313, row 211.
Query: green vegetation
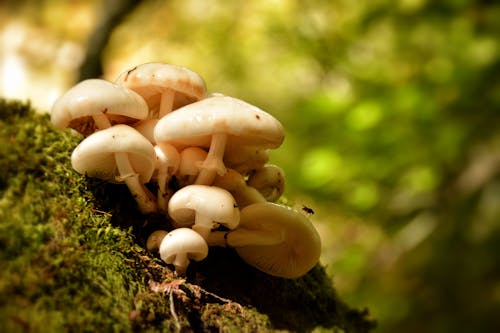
column 72, row 257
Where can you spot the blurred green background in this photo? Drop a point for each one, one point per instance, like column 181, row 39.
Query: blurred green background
column 392, row 112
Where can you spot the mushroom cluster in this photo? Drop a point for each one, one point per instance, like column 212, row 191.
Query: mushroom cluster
column 155, row 124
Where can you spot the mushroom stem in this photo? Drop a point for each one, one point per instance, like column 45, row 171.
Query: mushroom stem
column 202, row 225
column 144, row 198
column 245, row 237
column 167, row 102
column 101, row 121
column 163, row 178
column 181, row 263
column 213, row 164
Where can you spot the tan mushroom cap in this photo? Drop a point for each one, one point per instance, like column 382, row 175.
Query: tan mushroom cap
column 95, row 97
column 150, row 80
column 293, row 256
column 194, row 124
column 95, row 155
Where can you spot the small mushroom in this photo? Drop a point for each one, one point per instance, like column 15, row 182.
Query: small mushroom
column 147, row 127
column 235, row 183
column 97, row 104
column 165, row 87
column 245, row 159
column 274, row 239
column 180, row 245
column 189, row 167
column 269, row 181
column 167, row 163
column 211, row 123
column 119, row 153
column 203, row 207
column 154, row 240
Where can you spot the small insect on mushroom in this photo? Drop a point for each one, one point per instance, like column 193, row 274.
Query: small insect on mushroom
column 308, row 210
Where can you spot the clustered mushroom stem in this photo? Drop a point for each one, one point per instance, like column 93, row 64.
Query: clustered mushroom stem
column 101, row 121
column 163, row 178
column 203, row 225
column 141, row 195
column 167, row 102
column 213, row 163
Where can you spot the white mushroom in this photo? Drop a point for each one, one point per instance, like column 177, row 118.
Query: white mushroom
column 165, row 87
column 119, row 153
column 211, row 122
column 203, row 207
column 191, row 160
column 167, row 163
column 147, row 128
column 273, row 238
column 97, row 104
column 269, row 181
column 235, row 183
column 245, row 159
column 154, row 240
column 180, row 245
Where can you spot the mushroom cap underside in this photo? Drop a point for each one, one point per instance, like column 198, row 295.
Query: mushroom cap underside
column 93, row 97
column 194, row 124
column 295, row 256
column 94, row 156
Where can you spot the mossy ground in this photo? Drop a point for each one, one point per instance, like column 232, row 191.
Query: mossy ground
column 72, row 257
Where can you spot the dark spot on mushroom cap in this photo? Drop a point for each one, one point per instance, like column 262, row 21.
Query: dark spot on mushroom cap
column 257, row 116
column 128, row 73
column 105, row 110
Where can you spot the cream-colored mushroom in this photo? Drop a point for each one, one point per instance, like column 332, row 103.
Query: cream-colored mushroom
column 191, row 160
column 147, row 128
column 167, row 163
column 154, row 240
column 97, row 104
column 273, row 238
column 181, row 245
column 165, row 87
column 269, row 181
column 214, row 121
column 245, row 159
column 203, row 207
column 235, row 183
column 119, row 154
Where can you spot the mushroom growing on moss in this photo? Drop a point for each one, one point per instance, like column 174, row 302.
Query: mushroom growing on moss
column 165, row 87
column 97, row 104
column 122, row 154
column 180, row 245
column 203, row 207
column 211, row 123
column 274, row 239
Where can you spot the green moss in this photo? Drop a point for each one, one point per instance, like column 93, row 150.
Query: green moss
column 72, row 257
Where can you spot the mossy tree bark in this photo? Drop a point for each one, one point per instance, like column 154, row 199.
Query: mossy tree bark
column 73, row 258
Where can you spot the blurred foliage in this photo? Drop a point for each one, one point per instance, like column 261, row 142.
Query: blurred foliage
column 392, row 111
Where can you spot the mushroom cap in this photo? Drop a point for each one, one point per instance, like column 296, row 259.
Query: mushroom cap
column 151, row 79
column 191, row 157
column 94, row 96
column 292, row 258
column 94, row 156
column 210, row 202
column 194, row 124
column 245, row 159
column 183, row 241
column 154, row 240
column 269, row 181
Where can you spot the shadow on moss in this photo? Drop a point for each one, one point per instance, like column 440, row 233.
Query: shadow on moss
column 72, row 257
